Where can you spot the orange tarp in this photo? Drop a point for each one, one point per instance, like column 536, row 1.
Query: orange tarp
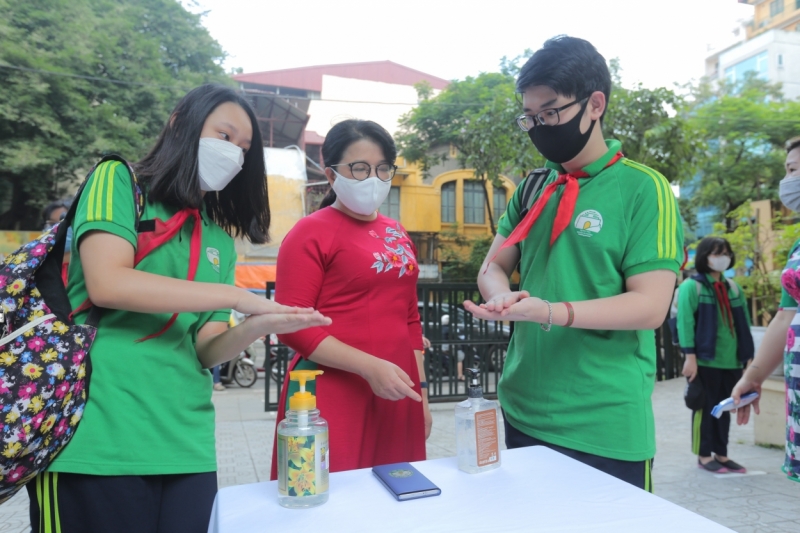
column 254, row 275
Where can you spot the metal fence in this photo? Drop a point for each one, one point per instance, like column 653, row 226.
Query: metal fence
column 458, row 341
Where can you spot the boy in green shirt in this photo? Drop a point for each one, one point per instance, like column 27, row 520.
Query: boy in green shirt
column 598, row 256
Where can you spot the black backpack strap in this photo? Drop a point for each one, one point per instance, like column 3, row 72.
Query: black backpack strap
column 533, row 184
column 49, row 273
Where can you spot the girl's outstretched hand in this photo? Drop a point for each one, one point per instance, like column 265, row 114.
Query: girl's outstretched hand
column 287, row 322
column 251, row 304
column 270, row 317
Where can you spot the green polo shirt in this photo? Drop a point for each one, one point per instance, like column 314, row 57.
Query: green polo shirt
column 589, row 390
column 149, row 409
column 688, row 299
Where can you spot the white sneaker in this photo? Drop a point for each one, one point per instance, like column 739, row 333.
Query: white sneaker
column 219, row 387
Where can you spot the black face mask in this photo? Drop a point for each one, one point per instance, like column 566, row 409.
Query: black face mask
column 563, row 142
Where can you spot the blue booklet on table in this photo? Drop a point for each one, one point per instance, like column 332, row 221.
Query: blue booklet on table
column 405, row 482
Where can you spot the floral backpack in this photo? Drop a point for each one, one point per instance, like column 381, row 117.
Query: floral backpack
column 44, row 363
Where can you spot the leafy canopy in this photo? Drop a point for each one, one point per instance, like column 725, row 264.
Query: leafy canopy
column 53, row 127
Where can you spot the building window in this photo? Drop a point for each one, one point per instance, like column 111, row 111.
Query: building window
column 775, row 7
column 758, row 64
column 449, row 202
column 474, row 203
column 499, row 202
column 391, row 206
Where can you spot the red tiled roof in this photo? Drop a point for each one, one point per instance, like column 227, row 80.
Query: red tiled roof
column 312, row 137
column 310, row 78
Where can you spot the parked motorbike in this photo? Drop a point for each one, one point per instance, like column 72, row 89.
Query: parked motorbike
column 241, row 369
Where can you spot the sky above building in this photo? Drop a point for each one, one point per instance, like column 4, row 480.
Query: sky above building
column 658, row 43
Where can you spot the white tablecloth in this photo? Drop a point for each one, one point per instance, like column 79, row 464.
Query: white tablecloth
column 535, row 490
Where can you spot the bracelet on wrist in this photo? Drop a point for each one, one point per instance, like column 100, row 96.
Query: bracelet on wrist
column 570, row 314
column 546, row 327
column 423, row 384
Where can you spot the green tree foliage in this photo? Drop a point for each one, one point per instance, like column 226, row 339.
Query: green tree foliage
column 748, row 241
column 651, row 127
column 53, row 127
column 476, row 116
column 744, row 127
column 462, row 256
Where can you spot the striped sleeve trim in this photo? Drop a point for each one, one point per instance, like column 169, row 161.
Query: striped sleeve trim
column 668, row 218
column 101, row 194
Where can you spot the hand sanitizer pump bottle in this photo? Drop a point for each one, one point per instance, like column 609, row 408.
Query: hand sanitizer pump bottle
column 303, row 456
column 477, row 442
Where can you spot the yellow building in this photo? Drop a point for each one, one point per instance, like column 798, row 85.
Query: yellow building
column 773, row 15
column 445, row 200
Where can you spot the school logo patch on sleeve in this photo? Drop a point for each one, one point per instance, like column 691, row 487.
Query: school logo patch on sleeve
column 213, row 257
column 588, row 223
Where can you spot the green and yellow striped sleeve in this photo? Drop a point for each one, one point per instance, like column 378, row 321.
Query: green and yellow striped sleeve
column 655, row 232
column 107, row 203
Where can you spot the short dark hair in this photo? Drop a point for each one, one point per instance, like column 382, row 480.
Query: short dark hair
column 568, row 65
column 708, row 246
column 169, row 171
column 52, row 206
column 792, row 143
column 345, row 133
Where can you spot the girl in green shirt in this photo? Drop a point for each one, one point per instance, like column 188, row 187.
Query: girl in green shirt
column 143, row 457
column 714, row 333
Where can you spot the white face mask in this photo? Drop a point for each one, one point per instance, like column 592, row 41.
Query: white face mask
column 218, row 162
column 790, row 192
column 362, row 197
column 719, row 263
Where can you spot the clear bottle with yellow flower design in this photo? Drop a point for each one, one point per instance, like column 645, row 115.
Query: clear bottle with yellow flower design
column 303, row 449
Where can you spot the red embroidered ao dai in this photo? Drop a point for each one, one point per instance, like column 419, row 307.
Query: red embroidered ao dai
column 363, row 276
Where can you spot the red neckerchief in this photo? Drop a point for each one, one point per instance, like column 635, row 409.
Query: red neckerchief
column 721, row 289
column 566, row 207
column 149, row 241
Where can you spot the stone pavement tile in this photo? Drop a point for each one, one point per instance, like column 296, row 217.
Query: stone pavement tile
column 782, row 527
column 14, row 514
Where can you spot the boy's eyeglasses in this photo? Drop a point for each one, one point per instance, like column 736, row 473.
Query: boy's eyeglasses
column 546, row 117
column 362, row 170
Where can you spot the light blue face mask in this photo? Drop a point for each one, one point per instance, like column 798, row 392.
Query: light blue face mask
column 789, row 190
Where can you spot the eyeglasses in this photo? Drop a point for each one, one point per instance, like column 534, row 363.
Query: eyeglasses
column 361, row 170
column 546, row 117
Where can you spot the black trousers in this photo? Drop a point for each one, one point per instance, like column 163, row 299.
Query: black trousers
column 710, row 434
column 77, row 503
column 637, row 473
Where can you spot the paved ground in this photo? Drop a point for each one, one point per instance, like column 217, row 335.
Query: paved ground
column 763, row 501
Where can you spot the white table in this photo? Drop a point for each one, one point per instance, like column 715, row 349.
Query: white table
column 535, row 490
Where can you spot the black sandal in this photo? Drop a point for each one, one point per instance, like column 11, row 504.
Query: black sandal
column 713, row 466
column 732, row 466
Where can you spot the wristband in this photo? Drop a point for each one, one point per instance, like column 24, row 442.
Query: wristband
column 546, row 327
column 571, row 313
column 423, row 384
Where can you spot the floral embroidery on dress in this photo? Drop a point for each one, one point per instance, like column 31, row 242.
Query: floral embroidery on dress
column 396, row 254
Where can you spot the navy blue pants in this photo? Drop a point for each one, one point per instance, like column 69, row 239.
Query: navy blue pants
column 710, row 434
column 77, row 503
column 637, row 473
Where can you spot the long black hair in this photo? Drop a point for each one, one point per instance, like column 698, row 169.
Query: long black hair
column 345, row 133
column 712, row 246
column 169, row 171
